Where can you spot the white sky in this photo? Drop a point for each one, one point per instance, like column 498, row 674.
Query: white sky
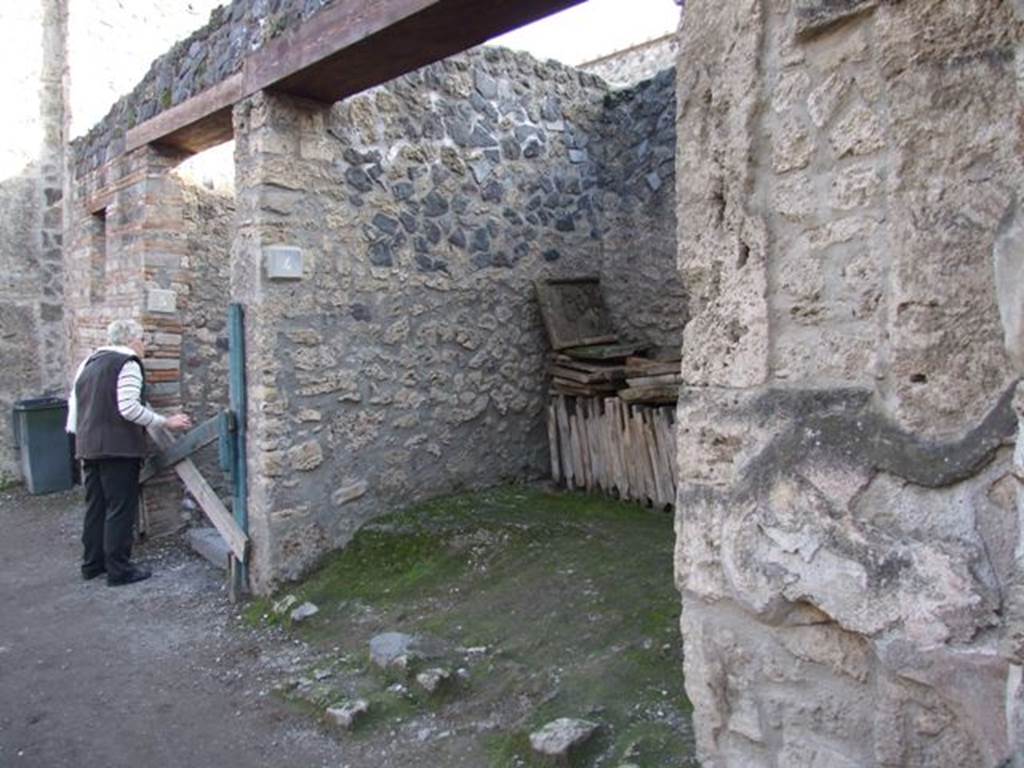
column 593, row 29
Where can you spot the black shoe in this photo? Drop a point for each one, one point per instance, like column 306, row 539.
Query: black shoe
column 88, row 574
column 130, row 576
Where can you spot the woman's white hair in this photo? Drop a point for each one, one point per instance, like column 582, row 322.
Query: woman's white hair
column 120, row 333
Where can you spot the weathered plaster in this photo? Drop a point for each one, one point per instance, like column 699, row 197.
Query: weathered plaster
column 846, row 500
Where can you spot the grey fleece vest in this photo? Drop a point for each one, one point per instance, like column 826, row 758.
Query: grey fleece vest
column 102, row 432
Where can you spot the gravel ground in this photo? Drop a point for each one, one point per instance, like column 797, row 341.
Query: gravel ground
column 161, row 673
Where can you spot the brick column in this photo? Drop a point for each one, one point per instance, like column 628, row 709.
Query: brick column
column 126, row 258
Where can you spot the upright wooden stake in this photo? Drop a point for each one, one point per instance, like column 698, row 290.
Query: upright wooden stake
column 237, row 402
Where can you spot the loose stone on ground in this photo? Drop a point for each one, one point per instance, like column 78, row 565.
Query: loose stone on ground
column 348, row 714
column 559, row 737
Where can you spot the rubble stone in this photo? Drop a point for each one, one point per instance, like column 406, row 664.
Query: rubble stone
column 348, row 714
column 558, row 738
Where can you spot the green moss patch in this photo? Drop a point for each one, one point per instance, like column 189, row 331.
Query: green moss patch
column 552, row 604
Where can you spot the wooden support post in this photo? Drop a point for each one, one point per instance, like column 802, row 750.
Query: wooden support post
column 238, row 404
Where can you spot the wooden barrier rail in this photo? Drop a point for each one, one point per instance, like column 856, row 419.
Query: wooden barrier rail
column 606, row 444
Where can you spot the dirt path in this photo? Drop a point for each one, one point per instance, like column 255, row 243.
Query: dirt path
column 161, row 673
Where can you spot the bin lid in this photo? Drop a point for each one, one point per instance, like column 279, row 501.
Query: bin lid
column 41, row 404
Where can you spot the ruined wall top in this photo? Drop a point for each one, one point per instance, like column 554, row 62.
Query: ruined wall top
column 206, row 57
column 636, row 63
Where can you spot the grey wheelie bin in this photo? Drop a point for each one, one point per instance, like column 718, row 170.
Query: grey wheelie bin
column 45, row 448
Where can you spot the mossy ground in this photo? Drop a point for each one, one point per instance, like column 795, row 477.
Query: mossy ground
column 555, row 604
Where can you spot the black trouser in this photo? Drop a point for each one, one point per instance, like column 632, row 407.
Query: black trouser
column 111, row 505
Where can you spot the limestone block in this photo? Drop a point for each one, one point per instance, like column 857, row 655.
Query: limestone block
column 1008, row 260
column 791, row 90
column 825, row 100
column 558, row 738
column 855, row 186
column 306, row 457
column 816, row 16
column 794, row 145
column 857, row 133
column 348, row 714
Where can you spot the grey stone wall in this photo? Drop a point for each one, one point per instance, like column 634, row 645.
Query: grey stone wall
column 635, row 64
column 408, row 361
column 111, row 45
column 847, row 510
column 206, row 57
column 642, row 289
column 31, row 312
column 209, row 224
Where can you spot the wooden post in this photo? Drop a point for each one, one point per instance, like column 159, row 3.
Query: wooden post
column 238, row 575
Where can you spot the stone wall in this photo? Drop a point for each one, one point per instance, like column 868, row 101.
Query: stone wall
column 645, row 296
column 632, row 65
column 408, row 360
column 206, row 57
column 111, row 44
column 31, row 314
column 847, row 512
column 209, row 226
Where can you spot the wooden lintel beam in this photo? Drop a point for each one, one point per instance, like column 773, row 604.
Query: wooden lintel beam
column 194, row 125
column 414, row 33
column 346, row 48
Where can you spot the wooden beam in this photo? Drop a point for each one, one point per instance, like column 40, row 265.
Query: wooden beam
column 183, row 447
column 198, row 123
column 346, row 48
column 207, row 498
column 238, row 400
column 355, row 45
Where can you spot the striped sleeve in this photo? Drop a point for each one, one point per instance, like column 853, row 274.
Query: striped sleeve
column 72, row 423
column 129, row 397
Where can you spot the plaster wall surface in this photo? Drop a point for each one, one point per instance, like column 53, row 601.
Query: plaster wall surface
column 847, row 510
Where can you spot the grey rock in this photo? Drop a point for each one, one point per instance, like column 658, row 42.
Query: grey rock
column 431, row 680
column 210, row 544
column 394, row 650
column 486, row 85
column 303, row 612
column 385, row 223
column 398, row 650
column 565, row 224
column 559, row 737
column 380, row 254
column 358, row 179
column 282, row 606
column 348, row 714
column 434, row 204
column 481, row 170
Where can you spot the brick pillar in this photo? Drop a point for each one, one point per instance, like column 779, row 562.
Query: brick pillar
column 125, row 258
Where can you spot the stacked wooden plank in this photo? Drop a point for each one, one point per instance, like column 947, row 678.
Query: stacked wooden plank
column 606, row 444
column 574, row 377
column 589, row 371
column 651, row 381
